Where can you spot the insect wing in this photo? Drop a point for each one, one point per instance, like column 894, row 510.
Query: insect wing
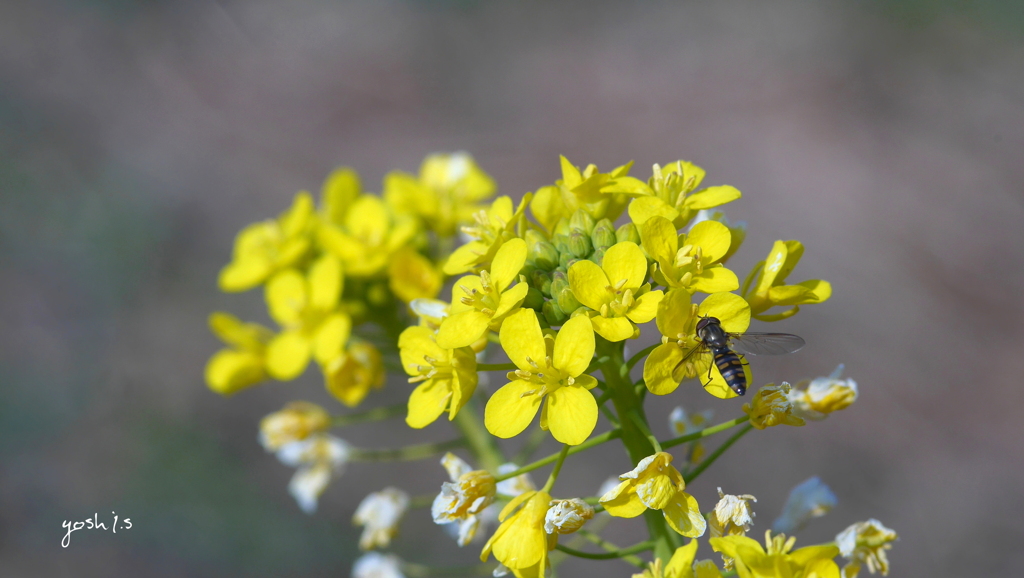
column 766, row 343
column 699, row 357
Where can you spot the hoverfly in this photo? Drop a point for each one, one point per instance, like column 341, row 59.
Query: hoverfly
column 722, row 344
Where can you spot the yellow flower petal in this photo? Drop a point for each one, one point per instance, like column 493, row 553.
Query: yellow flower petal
column 230, row 371
column 712, row 197
column 233, row 331
column 331, row 337
column 522, row 339
column 681, row 563
column 414, row 344
column 572, row 414
column 674, row 313
column 715, row 279
column 412, row 276
column 660, row 239
column 339, row 191
column 660, row 369
column 428, row 402
column 508, row 262
column 683, row 515
column 325, row 283
column 508, row 412
column 642, row 209
column 286, row 297
column 731, row 309
column 464, row 288
column 712, row 237
column 287, row 355
column 574, row 346
column 646, row 307
column 622, row 502
column 625, row 261
column 244, row 274
column 511, row 299
column 613, row 328
column 462, row 329
column 589, row 283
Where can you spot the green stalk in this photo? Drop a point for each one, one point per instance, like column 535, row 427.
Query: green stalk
column 375, row 414
column 609, row 547
column 704, row 432
column 558, row 468
column 690, row 476
column 641, row 547
column 594, row 441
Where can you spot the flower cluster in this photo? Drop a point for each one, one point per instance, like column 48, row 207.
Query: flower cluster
column 546, row 291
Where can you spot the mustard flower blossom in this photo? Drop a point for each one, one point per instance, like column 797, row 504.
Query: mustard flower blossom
column 809, row 499
column 821, row 396
column 263, row 248
column 491, row 228
column 777, row 558
column 297, row 421
column 691, row 261
column 464, row 499
column 567, row 516
column 657, row 485
column 597, row 193
column 412, row 276
column 369, row 236
column 486, row 299
column 377, row 565
column 447, row 377
column 616, row 291
column 548, row 368
column 317, row 458
column 675, row 359
column 681, row 565
column 349, row 377
column 340, row 190
column 765, row 287
column 670, row 193
column 307, row 308
column 737, row 230
column 446, row 194
column 732, row 516
column 520, row 542
column 771, row 406
column 242, row 365
column 865, row 543
column 379, row 514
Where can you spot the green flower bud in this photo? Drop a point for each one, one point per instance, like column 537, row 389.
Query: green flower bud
column 567, row 301
column 544, row 255
column 533, row 236
column 565, row 260
column 534, row 299
column 597, row 256
column 580, row 245
column 627, row 232
column 604, row 234
column 581, row 221
column 541, row 281
column 559, row 281
column 562, row 227
column 553, row 314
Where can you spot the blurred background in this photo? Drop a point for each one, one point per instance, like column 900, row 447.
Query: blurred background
column 136, row 139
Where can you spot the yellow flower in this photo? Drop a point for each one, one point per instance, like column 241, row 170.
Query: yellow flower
column 368, row 237
column 595, row 192
column 765, row 287
column 350, row 376
column 306, row 307
column 672, row 361
column 486, row 299
column 447, row 377
column 446, row 194
column 771, row 406
column 412, row 276
column 297, row 421
column 654, row 483
column 340, row 190
column 689, row 262
column 778, row 560
column 464, row 499
column 520, row 542
column 681, row 565
column 733, row 515
column 811, row 498
column 241, row 365
column 737, row 230
column 379, row 514
column 263, row 248
column 551, row 368
column 821, row 396
column 492, row 227
column 567, row 516
column 866, row 543
column 670, row 193
column 616, row 291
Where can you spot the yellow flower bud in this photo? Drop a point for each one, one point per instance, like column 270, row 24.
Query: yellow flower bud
column 567, row 516
column 771, row 406
column 819, row 397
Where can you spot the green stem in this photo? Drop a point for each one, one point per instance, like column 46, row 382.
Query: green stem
column 641, row 547
column 375, row 414
column 594, row 441
column 417, row 452
column 558, row 468
column 690, row 476
column 533, row 441
column 609, row 547
column 496, row 367
column 642, row 425
column 704, row 432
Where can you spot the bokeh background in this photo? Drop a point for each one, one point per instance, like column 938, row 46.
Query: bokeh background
column 136, row 138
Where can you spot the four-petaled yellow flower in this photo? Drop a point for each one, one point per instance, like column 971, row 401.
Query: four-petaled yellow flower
column 689, row 262
column 656, row 484
column 263, row 248
column 491, row 228
column 675, row 360
column 765, row 287
column 670, row 193
column 771, row 406
column 307, row 309
column 446, row 193
column 412, row 276
column 520, row 542
column 369, row 236
column 447, row 377
column 486, row 299
column 681, row 565
column 244, row 363
column 778, row 560
column 595, row 192
column 616, row 291
column 551, row 368
column 349, row 377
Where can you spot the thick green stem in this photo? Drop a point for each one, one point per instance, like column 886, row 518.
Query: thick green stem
column 638, row 446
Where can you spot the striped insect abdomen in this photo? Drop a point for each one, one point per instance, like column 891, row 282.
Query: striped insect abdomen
column 731, row 368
